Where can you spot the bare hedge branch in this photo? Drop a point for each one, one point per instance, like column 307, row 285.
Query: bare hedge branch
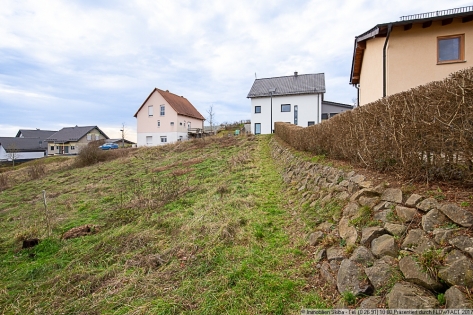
column 424, row 133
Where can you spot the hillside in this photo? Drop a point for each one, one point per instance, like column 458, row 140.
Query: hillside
column 199, row 227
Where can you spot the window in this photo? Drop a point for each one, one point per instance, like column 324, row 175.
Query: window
column 180, row 124
column 161, row 110
column 159, row 123
column 324, row 116
column 164, row 139
column 189, row 125
column 172, row 123
column 285, row 107
column 89, row 137
column 450, row 48
column 149, row 140
column 180, row 138
column 97, row 137
column 333, row 114
column 73, row 147
column 52, row 148
column 150, row 111
column 310, row 123
column 257, row 128
column 257, row 109
column 295, row 114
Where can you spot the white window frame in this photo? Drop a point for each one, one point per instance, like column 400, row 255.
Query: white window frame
column 164, row 139
column 150, row 111
column 162, row 110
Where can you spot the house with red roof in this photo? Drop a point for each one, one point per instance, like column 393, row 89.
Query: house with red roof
column 165, row 117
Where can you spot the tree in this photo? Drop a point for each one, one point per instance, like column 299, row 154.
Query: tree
column 211, row 116
column 13, row 153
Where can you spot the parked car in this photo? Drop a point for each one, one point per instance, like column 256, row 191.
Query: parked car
column 108, row 146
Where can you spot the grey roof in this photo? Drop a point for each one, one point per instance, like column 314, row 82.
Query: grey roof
column 289, row 85
column 119, row 141
column 69, row 134
column 14, row 144
column 337, row 104
column 36, row 133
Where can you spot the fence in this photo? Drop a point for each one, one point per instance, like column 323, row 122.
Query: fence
column 423, row 133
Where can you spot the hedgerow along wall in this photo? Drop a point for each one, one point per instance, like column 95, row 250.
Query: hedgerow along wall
column 424, row 133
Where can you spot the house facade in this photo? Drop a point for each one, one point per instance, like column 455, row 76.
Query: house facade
column 16, row 148
column 397, row 56
column 297, row 99
column 165, row 117
column 70, row 140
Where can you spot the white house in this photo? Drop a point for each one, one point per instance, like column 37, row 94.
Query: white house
column 15, row 148
column 165, row 117
column 297, row 99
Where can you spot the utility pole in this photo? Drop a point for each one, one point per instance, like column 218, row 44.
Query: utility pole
column 123, row 135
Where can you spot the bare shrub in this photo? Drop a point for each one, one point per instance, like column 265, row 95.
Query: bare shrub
column 36, row 170
column 4, row 181
column 424, row 133
column 89, row 155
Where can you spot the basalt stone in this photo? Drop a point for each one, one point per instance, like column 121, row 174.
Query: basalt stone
column 325, row 226
column 371, row 302
column 406, row 214
column 365, row 192
column 418, row 241
column 382, row 215
column 315, row 238
column 428, row 204
column 319, row 254
column 413, row 273
column 442, row 236
column 379, row 206
column 384, row 245
column 381, row 273
column 357, row 179
column 464, row 243
column 369, row 202
column 370, row 233
column 413, row 200
column 351, row 210
column 432, row 219
column 395, row 229
column 343, row 196
column 457, row 214
column 347, row 231
column 405, row 295
column 335, row 253
column 459, row 271
column 393, row 195
column 457, row 299
column 327, row 275
column 352, row 278
column 366, row 184
column 362, row 255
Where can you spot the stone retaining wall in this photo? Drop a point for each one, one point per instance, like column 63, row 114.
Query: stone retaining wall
column 408, row 251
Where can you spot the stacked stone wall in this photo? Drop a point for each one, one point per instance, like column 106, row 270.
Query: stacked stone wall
column 388, row 248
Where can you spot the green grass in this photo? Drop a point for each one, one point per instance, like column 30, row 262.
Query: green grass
column 199, row 227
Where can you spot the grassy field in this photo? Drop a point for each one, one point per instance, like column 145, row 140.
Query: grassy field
column 199, row 227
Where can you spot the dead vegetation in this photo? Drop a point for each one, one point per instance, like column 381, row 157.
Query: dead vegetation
column 425, row 133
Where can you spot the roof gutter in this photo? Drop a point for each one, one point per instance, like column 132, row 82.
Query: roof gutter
column 390, row 26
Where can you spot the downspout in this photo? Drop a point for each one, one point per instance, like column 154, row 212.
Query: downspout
column 390, row 26
column 357, row 86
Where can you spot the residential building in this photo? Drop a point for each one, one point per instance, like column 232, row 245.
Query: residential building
column 420, row 48
column 16, row 148
column 35, row 133
column 70, row 140
column 297, row 99
column 165, row 117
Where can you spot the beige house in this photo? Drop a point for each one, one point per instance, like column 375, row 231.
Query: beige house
column 70, row 140
column 397, row 56
column 165, row 117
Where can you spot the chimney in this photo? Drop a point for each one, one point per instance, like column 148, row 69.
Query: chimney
column 295, row 73
column 167, row 91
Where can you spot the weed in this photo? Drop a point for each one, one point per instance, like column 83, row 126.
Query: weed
column 4, row 181
column 36, row 170
column 349, row 297
column 465, row 204
column 343, row 242
column 441, row 299
column 350, row 249
column 363, row 218
column 430, row 261
column 393, row 217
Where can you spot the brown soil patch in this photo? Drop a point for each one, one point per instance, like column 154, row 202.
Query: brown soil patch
column 80, row 231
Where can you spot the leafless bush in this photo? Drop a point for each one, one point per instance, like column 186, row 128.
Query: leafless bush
column 89, row 155
column 424, row 133
column 36, row 170
column 4, row 181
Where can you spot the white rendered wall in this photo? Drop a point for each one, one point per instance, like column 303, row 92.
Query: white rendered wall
column 4, row 156
column 309, row 109
column 156, row 137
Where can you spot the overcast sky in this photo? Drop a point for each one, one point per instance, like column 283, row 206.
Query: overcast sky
column 91, row 62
